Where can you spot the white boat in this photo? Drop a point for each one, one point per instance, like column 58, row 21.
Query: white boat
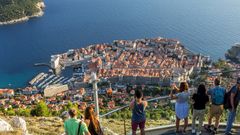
column 44, row 81
column 36, row 78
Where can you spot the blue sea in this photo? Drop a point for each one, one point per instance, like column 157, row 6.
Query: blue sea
column 209, row 27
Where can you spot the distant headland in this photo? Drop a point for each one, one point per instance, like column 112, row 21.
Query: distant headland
column 13, row 11
column 233, row 53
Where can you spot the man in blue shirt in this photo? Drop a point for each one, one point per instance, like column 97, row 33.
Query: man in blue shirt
column 217, row 98
column 234, row 100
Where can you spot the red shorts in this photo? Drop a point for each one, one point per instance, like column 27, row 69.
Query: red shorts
column 136, row 124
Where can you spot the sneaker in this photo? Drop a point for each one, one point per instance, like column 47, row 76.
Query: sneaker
column 199, row 133
column 193, row 131
column 214, row 131
column 207, row 128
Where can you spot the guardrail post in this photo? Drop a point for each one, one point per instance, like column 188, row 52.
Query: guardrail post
column 124, row 126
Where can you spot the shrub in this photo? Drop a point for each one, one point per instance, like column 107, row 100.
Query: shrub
column 40, row 109
column 10, row 112
column 23, row 112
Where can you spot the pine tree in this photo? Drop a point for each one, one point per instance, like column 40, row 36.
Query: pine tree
column 40, row 109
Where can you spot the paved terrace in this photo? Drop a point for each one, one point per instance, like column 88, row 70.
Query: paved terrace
column 170, row 130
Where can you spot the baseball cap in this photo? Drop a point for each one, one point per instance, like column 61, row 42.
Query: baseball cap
column 238, row 80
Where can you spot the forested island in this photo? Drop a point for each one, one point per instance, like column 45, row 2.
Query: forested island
column 13, row 11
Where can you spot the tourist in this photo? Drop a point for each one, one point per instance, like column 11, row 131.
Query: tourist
column 92, row 122
column 234, row 101
column 138, row 106
column 181, row 106
column 73, row 126
column 200, row 99
column 216, row 109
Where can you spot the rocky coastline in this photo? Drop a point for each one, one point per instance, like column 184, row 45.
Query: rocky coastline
column 39, row 5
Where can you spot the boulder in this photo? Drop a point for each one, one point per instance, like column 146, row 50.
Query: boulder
column 56, row 119
column 4, row 126
column 18, row 122
column 64, row 115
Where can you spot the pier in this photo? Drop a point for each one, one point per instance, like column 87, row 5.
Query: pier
column 43, row 64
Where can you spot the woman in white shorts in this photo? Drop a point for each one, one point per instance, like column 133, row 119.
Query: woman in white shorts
column 181, row 106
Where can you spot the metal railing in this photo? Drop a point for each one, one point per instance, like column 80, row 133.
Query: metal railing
column 121, row 108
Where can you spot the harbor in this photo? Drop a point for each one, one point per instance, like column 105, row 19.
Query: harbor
column 42, row 80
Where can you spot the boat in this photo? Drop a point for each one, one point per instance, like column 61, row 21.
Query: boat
column 36, row 78
column 49, row 82
column 44, row 81
column 58, row 80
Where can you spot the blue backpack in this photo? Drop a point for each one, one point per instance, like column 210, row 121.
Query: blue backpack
column 218, row 96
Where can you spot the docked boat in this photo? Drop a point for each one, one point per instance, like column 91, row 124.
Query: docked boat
column 36, row 78
column 45, row 81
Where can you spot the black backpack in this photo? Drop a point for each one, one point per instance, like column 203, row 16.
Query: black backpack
column 227, row 102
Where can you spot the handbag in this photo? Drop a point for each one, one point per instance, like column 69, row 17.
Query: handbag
column 100, row 132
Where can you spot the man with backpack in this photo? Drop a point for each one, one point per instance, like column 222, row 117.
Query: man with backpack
column 216, row 109
column 73, row 126
column 234, row 100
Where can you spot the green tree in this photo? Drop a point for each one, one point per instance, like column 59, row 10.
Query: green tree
column 10, row 112
column 55, row 113
column 220, row 63
column 227, row 71
column 148, row 115
column 69, row 105
column 23, row 112
column 157, row 90
column 15, row 9
column 114, row 116
column 40, row 109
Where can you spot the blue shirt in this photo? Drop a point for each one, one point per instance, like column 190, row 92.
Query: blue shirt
column 212, row 92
